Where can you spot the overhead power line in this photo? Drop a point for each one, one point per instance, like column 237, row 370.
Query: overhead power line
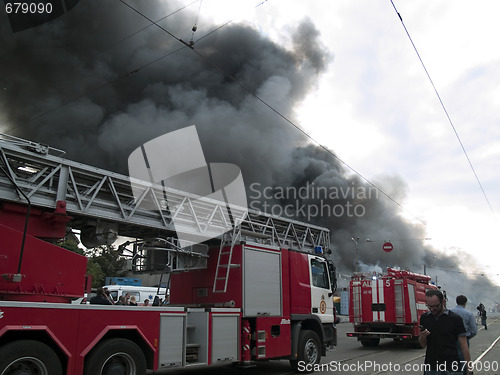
column 138, row 69
column 446, row 112
column 151, row 24
column 85, row 93
column 249, row 91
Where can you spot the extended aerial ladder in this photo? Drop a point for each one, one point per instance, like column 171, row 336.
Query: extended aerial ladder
column 102, row 206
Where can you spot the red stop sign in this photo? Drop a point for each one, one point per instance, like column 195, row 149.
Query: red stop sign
column 387, row 247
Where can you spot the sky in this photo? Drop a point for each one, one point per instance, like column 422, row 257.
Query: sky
column 376, row 108
column 344, row 72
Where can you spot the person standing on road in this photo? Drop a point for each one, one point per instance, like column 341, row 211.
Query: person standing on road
column 441, row 329
column 483, row 316
column 468, row 319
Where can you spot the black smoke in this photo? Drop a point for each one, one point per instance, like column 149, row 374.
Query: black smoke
column 101, row 80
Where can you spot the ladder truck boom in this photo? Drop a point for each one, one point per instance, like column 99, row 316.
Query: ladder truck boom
column 260, row 291
column 103, row 200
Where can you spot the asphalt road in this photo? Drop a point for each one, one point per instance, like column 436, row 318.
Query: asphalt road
column 389, row 358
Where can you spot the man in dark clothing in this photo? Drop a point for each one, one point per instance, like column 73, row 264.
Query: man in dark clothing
column 482, row 311
column 441, row 330
column 100, row 298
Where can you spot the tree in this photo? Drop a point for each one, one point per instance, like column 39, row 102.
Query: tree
column 102, row 261
column 109, row 261
column 93, row 269
column 71, row 246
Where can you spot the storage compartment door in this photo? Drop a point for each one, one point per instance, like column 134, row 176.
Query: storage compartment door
column 172, row 343
column 413, row 303
column 262, row 283
column 225, row 337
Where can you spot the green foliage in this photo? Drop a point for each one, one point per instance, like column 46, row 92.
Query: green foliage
column 102, row 261
column 108, row 260
column 72, row 246
column 94, row 270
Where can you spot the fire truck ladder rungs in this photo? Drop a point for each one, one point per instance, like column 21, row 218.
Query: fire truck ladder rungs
column 96, row 195
column 93, row 195
column 284, row 233
column 225, row 256
column 224, row 263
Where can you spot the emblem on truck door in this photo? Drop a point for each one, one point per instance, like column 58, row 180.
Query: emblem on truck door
column 322, row 305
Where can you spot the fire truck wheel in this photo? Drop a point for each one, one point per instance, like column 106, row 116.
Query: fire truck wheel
column 309, row 353
column 116, row 356
column 29, row 357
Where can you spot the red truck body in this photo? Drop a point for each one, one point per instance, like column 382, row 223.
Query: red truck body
column 387, row 306
column 255, row 297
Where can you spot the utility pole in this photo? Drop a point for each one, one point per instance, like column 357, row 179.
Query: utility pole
column 356, row 257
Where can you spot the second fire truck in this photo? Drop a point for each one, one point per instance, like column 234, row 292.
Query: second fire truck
column 387, row 306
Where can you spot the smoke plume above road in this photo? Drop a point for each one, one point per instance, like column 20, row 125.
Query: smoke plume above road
column 101, row 80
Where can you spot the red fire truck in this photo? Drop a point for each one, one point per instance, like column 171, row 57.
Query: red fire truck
column 387, row 306
column 261, row 291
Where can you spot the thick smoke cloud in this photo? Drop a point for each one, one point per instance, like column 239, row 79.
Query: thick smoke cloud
column 93, row 84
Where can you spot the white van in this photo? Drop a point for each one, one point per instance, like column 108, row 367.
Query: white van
column 140, row 293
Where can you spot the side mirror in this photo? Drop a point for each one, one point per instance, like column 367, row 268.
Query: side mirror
column 333, row 275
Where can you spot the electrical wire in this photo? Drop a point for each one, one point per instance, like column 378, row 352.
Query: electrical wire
column 138, row 69
column 249, row 91
column 85, row 93
column 123, row 75
column 151, row 24
column 195, row 26
column 226, row 23
column 446, row 112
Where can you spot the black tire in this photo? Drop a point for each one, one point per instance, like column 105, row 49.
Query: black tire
column 370, row 342
column 29, row 357
column 116, row 356
column 309, row 353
